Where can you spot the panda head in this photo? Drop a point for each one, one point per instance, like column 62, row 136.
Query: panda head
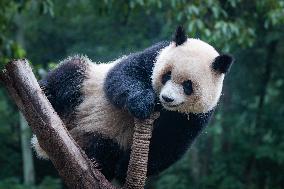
column 188, row 75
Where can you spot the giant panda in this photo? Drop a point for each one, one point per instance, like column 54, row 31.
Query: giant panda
column 182, row 79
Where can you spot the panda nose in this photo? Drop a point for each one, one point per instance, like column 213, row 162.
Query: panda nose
column 167, row 99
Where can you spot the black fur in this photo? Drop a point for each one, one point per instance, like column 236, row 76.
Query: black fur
column 128, row 85
column 180, row 36
column 172, row 135
column 62, row 85
column 106, row 153
column 222, row 63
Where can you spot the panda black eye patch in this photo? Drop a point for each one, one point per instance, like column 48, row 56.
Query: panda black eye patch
column 166, row 77
column 187, row 87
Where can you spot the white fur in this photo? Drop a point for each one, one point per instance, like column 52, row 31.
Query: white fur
column 41, row 154
column 189, row 61
column 96, row 114
column 173, row 91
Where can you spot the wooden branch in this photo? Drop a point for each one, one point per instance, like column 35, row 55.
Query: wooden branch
column 71, row 162
column 137, row 167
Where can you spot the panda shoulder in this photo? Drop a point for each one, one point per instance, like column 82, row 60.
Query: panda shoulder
column 62, row 85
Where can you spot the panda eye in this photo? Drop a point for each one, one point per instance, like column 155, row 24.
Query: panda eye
column 187, row 87
column 166, row 77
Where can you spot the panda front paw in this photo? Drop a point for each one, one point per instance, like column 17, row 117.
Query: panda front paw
column 141, row 104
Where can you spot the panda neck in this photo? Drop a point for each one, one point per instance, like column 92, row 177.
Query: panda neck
column 177, row 130
column 176, row 121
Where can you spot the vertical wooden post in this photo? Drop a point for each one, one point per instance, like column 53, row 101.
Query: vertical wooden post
column 137, row 167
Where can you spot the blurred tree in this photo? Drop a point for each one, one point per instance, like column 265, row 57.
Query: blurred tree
column 25, row 131
column 11, row 46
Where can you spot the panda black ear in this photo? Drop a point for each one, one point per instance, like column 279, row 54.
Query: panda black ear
column 179, row 36
column 222, row 63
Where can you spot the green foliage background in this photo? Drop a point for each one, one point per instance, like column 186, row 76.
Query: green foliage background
column 243, row 147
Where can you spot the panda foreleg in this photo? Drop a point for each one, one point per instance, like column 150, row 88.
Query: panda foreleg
column 127, row 90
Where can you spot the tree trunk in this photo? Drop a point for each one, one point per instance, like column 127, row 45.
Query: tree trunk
column 195, row 165
column 27, row 156
column 28, row 164
column 271, row 51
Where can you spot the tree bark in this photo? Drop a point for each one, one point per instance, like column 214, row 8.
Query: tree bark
column 137, row 168
column 69, row 159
